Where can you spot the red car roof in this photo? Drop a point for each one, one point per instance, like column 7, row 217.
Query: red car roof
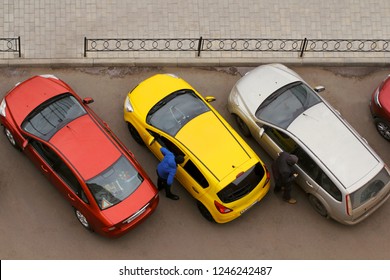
column 86, row 146
column 28, row 95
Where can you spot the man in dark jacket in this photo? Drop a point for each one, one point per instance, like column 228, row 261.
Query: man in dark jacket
column 284, row 175
column 166, row 171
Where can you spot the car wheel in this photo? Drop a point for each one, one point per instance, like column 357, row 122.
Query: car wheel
column 318, row 206
column 10, row 138
column 383, row 128
column 242, row 126
column 205, row 213
column 82, row 219
column 134, row 133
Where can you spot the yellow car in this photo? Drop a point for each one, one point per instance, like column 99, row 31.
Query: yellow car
column 220, row 170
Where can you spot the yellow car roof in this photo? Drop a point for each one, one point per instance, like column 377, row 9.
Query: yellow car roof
column 213, row 144
column 151, row 91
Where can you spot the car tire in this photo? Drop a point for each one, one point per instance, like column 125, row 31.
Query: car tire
column 318, row 206
column 383, row 128
column 244, row 129
column 134, row 133
column 11, row 138
column 82, row 219
column 205, row 212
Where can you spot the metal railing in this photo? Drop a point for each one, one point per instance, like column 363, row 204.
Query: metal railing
column 201, row 44
column 10, row 45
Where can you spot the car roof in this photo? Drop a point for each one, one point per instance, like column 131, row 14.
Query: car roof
column 207, row 137
column 149, row 92
column 334, row 144
column 28, row 95
column 262, row 81
column 84, row 144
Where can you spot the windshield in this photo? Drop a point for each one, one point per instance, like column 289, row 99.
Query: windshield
column 175, row 110
column 115, row 184
column 284, row 105
column 52, row 115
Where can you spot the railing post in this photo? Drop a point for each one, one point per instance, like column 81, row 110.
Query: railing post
column 303, row 47
column 85, row 46
column 19, row 44
column 200, row 45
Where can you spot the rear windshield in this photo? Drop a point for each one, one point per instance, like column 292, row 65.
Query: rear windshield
column 243, row 185
column 52, row 115
column 115, row 184
column 371, row 189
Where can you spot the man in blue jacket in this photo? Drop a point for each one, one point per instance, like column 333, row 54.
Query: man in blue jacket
column 166, row 171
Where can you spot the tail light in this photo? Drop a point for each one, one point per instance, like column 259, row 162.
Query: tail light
column 222, row 209
column 348, row 205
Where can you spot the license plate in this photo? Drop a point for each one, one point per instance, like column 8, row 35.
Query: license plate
column 250, row 206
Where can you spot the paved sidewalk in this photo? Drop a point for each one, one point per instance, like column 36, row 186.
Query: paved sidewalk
column 53, row 31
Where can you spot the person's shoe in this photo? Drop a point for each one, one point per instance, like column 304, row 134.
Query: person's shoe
column 291, row 200
column 173, row 196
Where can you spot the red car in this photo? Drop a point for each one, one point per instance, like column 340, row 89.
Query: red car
column 79, row 154
column 380, row 108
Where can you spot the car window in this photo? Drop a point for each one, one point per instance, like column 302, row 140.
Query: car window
column 163, row 141
column 243, row 184
column 284, row 105
column 175, row 110
column 305, row 162
column 371, row 189
column 195, row 173
column 52, row 115
column 115, row 184
column 59, row 166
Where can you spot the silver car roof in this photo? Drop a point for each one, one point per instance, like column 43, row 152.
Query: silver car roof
column 334, row 144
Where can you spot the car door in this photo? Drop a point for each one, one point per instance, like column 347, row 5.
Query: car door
column 275, row 141
column 189, row 176
column 58, row 173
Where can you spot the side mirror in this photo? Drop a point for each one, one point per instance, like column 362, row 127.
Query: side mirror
column 88, row 100
column 210, row 99
column 318, row 89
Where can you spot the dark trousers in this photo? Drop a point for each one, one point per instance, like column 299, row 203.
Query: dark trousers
column 162, row 184
column 286, row 189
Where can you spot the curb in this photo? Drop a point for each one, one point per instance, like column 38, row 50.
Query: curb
column 194, row 62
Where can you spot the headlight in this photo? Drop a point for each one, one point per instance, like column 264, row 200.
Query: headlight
column 376, row 98
column 128, row 106
column 2, row 108
column 234, row 96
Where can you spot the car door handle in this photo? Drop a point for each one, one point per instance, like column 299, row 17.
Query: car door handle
column 195, row 189
column 71, row 197
column 44, row 168
column 308, row 183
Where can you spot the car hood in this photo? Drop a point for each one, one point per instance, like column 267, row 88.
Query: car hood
column 150, row 91
column 26, row 96
column 212, row 142
column 384, row 96
column 261, row 82
column 334, row 144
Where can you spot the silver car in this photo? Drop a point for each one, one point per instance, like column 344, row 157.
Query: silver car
column 343, row 177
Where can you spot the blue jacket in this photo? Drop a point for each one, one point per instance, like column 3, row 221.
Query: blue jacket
column 167, row 167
